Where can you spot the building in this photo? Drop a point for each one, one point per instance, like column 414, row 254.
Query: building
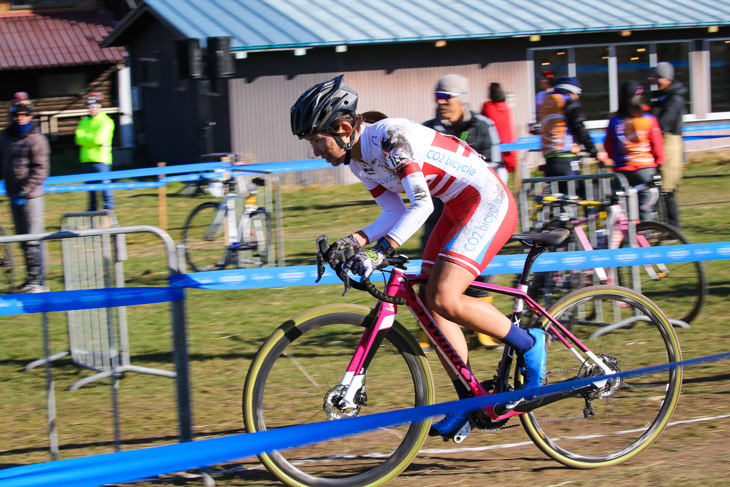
column 50, row 49
column 392, row 53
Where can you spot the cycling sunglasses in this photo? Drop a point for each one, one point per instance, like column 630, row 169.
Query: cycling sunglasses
column 446, row 96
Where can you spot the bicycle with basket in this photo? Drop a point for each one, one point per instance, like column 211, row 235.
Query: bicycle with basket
column 342, row 360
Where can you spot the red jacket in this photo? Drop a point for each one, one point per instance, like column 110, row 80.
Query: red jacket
column 501, row 114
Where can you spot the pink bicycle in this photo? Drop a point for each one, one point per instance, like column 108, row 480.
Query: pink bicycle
column 343, row 360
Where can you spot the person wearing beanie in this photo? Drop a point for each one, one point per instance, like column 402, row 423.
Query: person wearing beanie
column 634, row 143
column 94, row 135
column 454, row 117
column 24, row 157
column 562, row 128
column 668, row 105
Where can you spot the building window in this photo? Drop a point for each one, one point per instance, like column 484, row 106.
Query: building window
column 719, row 76
column 591, row 68
column 64, row 84
column 602, row 69
column 149, row 72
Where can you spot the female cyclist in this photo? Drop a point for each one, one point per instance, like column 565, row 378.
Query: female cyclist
column 394, row 156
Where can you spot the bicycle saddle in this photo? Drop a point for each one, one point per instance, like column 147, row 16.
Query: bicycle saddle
column 553, row 237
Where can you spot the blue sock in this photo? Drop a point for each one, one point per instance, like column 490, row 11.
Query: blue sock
column 519, row 339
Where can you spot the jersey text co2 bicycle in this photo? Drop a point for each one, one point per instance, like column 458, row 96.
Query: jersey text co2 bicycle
column 339, row 361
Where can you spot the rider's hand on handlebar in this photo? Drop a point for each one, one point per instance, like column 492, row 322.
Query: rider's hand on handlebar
column 364, row 262
column 340, row 248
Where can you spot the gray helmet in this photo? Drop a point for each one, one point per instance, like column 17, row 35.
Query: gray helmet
column 318, row 107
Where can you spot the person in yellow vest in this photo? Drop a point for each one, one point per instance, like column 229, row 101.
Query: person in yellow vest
column 94, row 136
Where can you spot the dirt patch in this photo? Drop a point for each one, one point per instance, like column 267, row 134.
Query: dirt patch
column 691, row 452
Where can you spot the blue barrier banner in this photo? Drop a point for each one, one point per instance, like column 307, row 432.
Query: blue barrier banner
column 136, row 464
column 267, row 277
column 68, row 188
column 15, row 304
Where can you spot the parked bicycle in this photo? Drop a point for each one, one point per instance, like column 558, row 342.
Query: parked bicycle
column 235, row 232
column 678, row 288
column 338, row 361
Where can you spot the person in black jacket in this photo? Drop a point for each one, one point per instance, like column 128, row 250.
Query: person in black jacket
column 562, row 124
column 24, row 157
column 453, row 117
column 668, row 105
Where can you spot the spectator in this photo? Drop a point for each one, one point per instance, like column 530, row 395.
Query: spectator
column 546, row 87
column 453, row 117
column 498, row 110
column 634, row 143
column 562, row 126
column 94, row 136
column 24, row 155
column 668, row 107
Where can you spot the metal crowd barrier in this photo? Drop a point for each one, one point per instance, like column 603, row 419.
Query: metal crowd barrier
column 99, row 346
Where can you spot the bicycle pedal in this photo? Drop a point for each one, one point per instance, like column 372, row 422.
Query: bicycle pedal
column 461, row 435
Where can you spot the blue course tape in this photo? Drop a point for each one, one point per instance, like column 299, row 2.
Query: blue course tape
column 136, row 464
column 502, row 264
column 14, row 304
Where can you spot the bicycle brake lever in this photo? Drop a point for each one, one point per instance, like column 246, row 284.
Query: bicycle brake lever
column 322, row 247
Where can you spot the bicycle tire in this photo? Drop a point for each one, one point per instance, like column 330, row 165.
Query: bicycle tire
column 628, row 415
column 7, row 265
column 205, row 245
column 256, row 243
column 681, row 292
column 289, row 380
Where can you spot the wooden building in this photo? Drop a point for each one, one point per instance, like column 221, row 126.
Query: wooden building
column 50, row 49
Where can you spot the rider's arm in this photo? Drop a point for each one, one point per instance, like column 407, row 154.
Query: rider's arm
column 393, row 208
column 575, row 118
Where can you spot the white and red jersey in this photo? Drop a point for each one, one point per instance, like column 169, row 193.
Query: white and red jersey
column 401, row 156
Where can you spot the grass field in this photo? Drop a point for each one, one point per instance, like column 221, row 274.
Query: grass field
column 225, row 328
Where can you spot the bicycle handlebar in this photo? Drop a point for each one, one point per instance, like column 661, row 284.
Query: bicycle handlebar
column 337, row 258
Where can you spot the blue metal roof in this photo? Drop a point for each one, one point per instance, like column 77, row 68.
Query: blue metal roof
column 286, row 24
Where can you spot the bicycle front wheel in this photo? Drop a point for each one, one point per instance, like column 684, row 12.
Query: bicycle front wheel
column 296, row 373
column 614, row 423
column 678, row 288
column 204, row 238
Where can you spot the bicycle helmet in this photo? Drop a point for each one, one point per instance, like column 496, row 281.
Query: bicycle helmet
column 318, row 107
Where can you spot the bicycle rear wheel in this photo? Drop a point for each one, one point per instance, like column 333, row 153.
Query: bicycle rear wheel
column 256, row 241
column 612, row 424
column 7, row 266
column 204, row 238
column 678, row 288
column 300, row 366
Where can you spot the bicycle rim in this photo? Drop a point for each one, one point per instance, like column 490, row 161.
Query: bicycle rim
column 678, row 288
column 205, row 240
column 627, row 416
column 291, row 376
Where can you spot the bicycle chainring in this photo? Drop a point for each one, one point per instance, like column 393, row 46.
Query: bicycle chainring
column 481, row 419
column 333, row 404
